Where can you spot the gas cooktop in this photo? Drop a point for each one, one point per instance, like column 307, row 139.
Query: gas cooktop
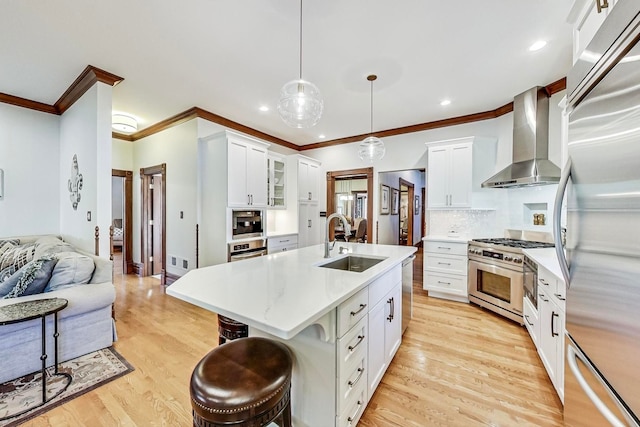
column 514, row 243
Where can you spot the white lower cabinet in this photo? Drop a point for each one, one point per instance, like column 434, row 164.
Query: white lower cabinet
column 385, row 322
column 352, row 371
column 551, row 343
column 445, row 270
column 282, row 243
column 531, row 320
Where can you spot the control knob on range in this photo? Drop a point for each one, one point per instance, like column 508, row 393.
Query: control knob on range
column 517, row 260
column 508, row 258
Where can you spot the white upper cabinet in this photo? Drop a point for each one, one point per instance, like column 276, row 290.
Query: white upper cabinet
column 277, row 182
column 450, row 175
column 587, row 16
column 247, row 168
column 308, row 180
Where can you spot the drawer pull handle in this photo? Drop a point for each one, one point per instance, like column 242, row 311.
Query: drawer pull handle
column 543, row 298
column 353, row 347
column 444, row 263
column 354, row 382
column 560, row 297
column 362, row 307
column 444, row 283
column 444, row 247
column 544, row 282
column 526, row 316
column 353, row 418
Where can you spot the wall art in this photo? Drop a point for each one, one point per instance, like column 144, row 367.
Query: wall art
column 75, row 183
column 395, row 201
column 384, row 200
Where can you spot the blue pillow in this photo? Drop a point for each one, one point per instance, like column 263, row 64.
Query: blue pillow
column 30, row 279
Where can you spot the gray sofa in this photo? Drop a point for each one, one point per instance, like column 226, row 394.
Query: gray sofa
column 85, row 325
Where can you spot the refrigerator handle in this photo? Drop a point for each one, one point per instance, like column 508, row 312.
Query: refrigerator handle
column 557, row 228
column 599, row 404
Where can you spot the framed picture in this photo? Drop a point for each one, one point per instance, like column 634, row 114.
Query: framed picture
column 416, row 208
column 395, row 201
column 384, row 200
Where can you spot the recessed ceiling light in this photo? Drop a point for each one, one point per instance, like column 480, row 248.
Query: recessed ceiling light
column 445, row 102
column 264, row 108
column 321, row 136
column 537, row 45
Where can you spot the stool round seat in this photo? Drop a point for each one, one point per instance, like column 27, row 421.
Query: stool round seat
column 246, row 382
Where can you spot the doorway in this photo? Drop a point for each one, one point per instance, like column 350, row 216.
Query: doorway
column 122, row 219
column 154, row 241
column 351, row 193
column 406, row 211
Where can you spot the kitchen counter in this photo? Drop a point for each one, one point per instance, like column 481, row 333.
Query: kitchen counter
column 287, row 297
column 283, row 293
column 546, row 257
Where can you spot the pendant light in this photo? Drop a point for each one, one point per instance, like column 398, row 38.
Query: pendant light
column 371, row 148
column 300, row 104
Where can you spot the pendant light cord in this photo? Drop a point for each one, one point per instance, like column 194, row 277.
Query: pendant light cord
column 371, row 127
column 300, row 39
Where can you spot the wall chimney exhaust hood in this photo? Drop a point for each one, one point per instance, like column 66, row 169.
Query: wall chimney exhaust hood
column 531, row 164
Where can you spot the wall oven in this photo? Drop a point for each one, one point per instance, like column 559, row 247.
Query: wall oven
column 239, row 251
column 247, row 223
column 531, row 281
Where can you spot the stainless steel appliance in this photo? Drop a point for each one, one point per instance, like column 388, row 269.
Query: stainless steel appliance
column 530, row 281
column 496, row 274
column 247, row 223
column 602, row 262
column 247, row 249
column 407, row 291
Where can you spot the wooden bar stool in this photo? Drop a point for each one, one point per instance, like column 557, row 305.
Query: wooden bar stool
column 229, row 329
column 244, row 383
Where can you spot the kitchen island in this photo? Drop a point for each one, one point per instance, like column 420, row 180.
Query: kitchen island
column 343, row 327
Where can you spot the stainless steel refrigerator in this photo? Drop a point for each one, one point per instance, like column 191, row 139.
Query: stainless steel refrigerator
column 602, row 261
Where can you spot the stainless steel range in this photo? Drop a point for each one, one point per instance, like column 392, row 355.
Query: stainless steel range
column 496, row 274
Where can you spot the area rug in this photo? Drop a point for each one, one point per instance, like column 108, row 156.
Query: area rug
column 88, row 372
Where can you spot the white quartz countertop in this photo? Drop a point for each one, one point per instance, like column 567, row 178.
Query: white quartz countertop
column 546, row 257
column 285, row 292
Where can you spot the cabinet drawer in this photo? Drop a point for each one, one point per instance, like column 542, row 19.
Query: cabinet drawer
column 446, row 264
column 554, row 287
column 531, row 321
column 353, row 408
column 446, row 248
column 352, row 348
column 352, row 310
column 448, row 283
column 352, row 382
column 381, row 286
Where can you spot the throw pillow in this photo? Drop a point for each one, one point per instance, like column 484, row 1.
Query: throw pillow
column 15, row 258
column 31, row 278
column 72, row 268
column 7, row 244
column 51, row 245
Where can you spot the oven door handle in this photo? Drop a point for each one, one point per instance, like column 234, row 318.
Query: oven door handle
column 557, row 227
column 252, row 254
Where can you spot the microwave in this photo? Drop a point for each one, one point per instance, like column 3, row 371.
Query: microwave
column 247, row 223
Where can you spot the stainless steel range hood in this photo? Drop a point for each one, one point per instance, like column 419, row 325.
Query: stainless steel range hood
column 531, row 164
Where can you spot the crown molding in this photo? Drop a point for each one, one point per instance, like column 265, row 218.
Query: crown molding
column 27, row 103
column 90, row 76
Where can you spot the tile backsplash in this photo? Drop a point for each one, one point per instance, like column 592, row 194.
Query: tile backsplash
column 472, row 223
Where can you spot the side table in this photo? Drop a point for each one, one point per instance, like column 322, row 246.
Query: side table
column 28, row 310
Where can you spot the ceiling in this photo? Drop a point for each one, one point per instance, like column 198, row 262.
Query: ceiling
column 230, row 57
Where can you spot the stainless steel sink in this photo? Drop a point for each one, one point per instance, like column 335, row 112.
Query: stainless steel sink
column 353, row 263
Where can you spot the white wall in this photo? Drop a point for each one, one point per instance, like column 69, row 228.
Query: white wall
column 177, row 147
column 30, row 159
column 122, row 155
column 85, row 131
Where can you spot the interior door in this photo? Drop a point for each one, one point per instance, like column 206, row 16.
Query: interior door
column 157, row 225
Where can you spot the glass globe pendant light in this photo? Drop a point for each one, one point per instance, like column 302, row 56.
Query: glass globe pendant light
column 371, row 148
column 300, row 104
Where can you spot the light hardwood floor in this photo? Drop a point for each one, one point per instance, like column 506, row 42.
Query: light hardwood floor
column 458, row 365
